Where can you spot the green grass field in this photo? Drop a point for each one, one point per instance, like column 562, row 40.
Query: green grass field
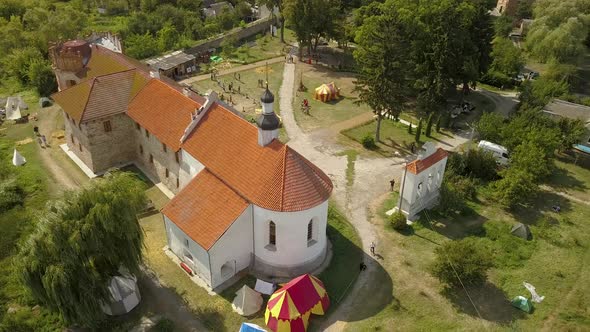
column 554, row 262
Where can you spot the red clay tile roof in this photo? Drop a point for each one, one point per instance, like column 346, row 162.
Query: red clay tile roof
column 163, row 111
column 100, row 96
column 274, row 177
column 419, row 165
column 205, row 209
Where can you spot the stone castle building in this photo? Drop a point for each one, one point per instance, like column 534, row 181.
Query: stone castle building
column 242, row 199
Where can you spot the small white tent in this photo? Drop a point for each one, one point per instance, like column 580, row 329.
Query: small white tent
column 13, row 113
column 247, row 301
column 124, row 295
column 18, row 159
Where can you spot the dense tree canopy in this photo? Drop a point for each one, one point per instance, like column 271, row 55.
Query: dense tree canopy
column 560, row 29
column 80, row 242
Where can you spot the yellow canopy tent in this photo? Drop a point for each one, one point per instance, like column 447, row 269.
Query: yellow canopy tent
column 326, row 92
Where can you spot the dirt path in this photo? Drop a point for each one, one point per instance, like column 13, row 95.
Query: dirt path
column 233, row 70
column 47, row 125
column 564, row 195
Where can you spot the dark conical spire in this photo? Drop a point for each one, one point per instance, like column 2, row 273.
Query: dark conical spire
column 267, row 96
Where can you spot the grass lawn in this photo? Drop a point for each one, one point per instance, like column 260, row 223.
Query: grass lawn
column 215, row 311
column 257, row 48
column 325, row 114
column 248, row 99
column 394, row 136
column 554, row 262
column 571, row 179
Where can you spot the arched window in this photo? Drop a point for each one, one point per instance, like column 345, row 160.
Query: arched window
column 310, row 230
column 272, row 233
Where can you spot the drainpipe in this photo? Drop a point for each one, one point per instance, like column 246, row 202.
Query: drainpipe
column 401, row 192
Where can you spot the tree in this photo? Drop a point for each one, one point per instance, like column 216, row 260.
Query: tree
column 41, row 77
column 418, row 131
column 515, row 188
column 167, row 37
column 312, row 20
column 571, row 132
column 531, row 159
column 503, row 26
column 141, row 46
column 80, row 242
column 228, row 46
column 489, row 127
column 279, row 4
column 383, row 80
column 559, row 30
column 507, row 58
column 429, row 125
column 465, row 259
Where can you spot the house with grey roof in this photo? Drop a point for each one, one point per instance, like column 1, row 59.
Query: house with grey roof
column 561, row 108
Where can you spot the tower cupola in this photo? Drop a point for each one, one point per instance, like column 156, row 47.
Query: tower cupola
column 268, row 122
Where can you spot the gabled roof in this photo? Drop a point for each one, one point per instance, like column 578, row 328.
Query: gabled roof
column 101, row 96
column 205, row 209
column 419, row 165
column 274, row 177
column 163, row 111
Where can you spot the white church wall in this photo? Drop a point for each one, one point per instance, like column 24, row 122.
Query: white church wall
column 183, row 246
column 234, row 248
column 292, row 248
column 189, row 168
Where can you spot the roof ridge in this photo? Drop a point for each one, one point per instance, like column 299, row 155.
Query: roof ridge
column 87, row 99
column 284, row 175
column 226, row 184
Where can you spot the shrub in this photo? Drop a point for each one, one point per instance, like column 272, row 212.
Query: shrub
column 368, row 142
column 467, row 258
column 497, row 79
column 451, row 201
column 163, row 325
column 398, row 221
column 480, row 164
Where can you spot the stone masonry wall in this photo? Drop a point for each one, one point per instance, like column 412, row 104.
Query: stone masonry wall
column 239, row 33
column 76, row 137
column 114, row 147
column 161, row 160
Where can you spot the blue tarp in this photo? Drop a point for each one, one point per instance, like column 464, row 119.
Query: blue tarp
column 582, row 148
column 249, row 327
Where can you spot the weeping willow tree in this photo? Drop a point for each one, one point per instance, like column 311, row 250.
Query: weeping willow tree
column 80, row 242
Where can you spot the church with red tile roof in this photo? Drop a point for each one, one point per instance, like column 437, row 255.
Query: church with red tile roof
column 240, row 199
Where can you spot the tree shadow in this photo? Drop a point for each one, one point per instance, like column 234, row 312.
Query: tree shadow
column 490, row 301
column 541, row 206
column 561, row 179
column 469, row 223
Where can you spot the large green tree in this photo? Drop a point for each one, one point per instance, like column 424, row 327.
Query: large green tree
column 80, row 242
column 383, row 60
column 312, row 20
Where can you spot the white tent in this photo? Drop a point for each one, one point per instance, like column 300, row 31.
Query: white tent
column 124, row 295
column 247, row 301
column 264, row 287
column 13, row 113
column 18, row 159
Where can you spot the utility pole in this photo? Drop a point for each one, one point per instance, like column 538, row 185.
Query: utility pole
column 401, row 189
column 470, row 136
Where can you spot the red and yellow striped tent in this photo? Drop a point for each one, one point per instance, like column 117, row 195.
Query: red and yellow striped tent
column 326, row 92
column 289, row 308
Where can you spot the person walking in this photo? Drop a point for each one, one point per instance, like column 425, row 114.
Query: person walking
column 392, row 183
column 372, row 248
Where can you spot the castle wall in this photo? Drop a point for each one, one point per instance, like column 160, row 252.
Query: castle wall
column 114, row 147
column 77, row 141
column 161, row 160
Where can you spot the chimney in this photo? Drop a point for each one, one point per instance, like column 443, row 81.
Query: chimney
column 155, row 74
column 198, row 114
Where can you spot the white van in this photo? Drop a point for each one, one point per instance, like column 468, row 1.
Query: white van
column 498, row 151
